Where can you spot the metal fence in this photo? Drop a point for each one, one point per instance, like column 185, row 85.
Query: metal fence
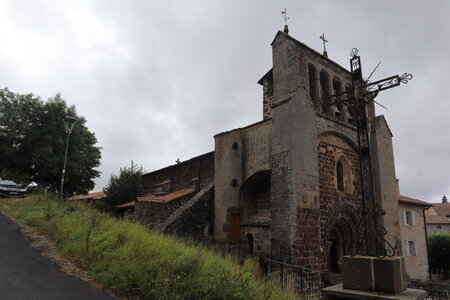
column 435, row 290
column 306, row 282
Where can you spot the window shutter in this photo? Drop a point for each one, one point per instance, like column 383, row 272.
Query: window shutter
column 408, row 251
column 416, row 248
column 413, row 217
column 405, row 222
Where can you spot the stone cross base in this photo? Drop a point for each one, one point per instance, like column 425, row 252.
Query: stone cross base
column 366, row 277
column 337, row 292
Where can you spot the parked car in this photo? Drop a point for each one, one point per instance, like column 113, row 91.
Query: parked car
column 10, row 188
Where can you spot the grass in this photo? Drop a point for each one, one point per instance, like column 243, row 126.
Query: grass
column 134, row 262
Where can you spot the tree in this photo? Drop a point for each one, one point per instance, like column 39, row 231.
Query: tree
column 438, row 246
column 32, row 143
column 123, row 188
column 444, row 199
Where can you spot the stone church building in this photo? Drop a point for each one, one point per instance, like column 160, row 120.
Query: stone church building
column 290, row 184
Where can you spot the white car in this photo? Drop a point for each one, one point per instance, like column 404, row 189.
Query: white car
column 10, row 188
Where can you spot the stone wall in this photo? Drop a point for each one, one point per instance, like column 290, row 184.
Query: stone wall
column 239, row 155
column 181, row 175
column 153, row 213
column 337, row 206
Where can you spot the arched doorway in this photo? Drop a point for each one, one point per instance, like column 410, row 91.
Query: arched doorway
column 340, row 239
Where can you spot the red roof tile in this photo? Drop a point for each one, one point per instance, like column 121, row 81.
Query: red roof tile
column 91, row 196
column 442, row 209
column 413, row 201
column 129, row 204
column 166, row 198
column 163, row 183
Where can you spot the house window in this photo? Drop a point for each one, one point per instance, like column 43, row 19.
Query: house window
column 340, row 176
column 411, row 248
column 409, row 217
column 235, row 146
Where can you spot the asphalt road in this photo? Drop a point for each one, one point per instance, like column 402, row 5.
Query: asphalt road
column 25, row 274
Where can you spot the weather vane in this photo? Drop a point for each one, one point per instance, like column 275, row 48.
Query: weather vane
column 284, row 14
column 286, row 18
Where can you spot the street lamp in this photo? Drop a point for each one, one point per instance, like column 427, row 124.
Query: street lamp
column 69, row 123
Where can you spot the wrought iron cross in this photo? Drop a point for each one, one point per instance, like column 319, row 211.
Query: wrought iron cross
column 358, row 97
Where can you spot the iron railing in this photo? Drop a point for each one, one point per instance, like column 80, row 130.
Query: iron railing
column 435, row 290
column 306, row 282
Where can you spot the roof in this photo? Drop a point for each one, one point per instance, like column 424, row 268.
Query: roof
column 166, row 198
column 90, row 196
column 308, row 48
column 240, row 128
column 163, row 183
column 181, row 163
column 129, row 204
column 412, row 201
column 437, row 220
column 442, row 209
column 268, row 76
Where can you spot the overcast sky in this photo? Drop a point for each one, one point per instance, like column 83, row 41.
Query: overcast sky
column 157, row 79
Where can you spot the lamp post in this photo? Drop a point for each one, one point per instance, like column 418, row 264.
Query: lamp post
column 69, row 123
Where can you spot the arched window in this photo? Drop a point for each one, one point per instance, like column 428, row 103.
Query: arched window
column 324, row 90
column 312, row 83
column 340, row 176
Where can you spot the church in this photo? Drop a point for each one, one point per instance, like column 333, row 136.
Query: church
column 288, row 186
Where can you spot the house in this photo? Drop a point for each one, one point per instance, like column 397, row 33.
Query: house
column 288, row 186
column 91, row 197
column 438, row 218
column 413, row 232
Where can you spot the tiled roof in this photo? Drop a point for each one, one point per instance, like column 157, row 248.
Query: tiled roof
column 166, row 198
column 442, row 209
column 163, row 183
column 91, row 196
column 413, row 201
column 437, row 220
column 129, row 204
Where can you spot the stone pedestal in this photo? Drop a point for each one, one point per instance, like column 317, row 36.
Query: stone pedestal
column 337, row 292
column 373, row 278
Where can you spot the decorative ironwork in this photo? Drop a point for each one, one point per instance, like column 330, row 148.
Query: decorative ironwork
column 354, row 52
column 370, row 233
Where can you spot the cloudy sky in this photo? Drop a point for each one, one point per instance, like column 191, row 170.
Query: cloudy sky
column 157, row 79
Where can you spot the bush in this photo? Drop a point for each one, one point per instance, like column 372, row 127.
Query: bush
column 438, row 252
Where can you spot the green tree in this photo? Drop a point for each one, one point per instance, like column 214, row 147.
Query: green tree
column 438, row 247
column 444, row 199
column 32, row 143
column 124, row 187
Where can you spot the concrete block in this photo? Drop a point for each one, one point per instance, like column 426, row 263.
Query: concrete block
column 358, row 273
column 388, row 275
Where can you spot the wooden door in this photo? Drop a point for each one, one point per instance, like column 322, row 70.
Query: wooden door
column 235, row 228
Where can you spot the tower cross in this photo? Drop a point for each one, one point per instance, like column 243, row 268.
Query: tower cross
column 322, row 37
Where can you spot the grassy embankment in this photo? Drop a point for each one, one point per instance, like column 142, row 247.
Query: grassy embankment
column 132, row 261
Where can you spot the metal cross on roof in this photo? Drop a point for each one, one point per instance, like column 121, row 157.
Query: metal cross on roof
column 322, row 37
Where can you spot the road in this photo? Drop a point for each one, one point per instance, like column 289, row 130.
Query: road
column 26, row 274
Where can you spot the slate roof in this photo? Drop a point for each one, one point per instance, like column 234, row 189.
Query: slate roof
column 166, row 198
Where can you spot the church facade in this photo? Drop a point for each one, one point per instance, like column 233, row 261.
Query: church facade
column 289, row 185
